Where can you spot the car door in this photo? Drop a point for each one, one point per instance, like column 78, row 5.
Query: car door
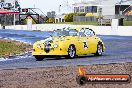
column 82, row 42
column 91, row 40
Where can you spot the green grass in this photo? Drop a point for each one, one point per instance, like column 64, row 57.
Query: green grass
column 11, row 48
column 79, row 23
column 127, row 23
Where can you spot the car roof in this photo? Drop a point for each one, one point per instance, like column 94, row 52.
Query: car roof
column 78, row 28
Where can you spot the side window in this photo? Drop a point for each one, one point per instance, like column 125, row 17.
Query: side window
column 73, row 32
column 89, row 32
column 82, row 32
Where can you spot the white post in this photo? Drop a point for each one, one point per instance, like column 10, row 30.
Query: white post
column 14, row 15
column 114, row 26
column 14, row 20
column 115, row 23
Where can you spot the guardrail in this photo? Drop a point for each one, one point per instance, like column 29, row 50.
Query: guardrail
column 101, row 30
column 84, row 18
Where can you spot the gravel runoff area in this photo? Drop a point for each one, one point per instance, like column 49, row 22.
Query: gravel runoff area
column 60, row 77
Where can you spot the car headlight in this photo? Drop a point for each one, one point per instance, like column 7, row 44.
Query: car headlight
column 55, row 45
column 38, row 46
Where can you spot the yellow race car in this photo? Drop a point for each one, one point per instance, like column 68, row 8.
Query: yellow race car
column 69, row 42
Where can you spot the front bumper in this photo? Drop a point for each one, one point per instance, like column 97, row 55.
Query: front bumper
column 56, row 52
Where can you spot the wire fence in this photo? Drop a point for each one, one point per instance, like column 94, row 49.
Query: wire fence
column 84, row 18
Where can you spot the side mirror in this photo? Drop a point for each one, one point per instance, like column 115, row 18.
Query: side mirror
column 51, row 35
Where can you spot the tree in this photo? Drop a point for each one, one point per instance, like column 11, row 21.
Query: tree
column 51, row 20
column 69, row 17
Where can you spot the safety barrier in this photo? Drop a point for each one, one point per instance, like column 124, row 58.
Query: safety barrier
column 102, row 30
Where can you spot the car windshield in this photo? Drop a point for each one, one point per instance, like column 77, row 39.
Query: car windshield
column 65, row 32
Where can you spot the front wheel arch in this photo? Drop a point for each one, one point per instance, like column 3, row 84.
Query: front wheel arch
column 74, row 48
column 39, row 57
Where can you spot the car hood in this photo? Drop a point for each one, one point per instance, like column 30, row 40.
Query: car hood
column 50, row 39
column 54, row 39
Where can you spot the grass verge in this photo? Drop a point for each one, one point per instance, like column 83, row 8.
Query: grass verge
column 127, row 23
column 79, row 23
column 8, row 47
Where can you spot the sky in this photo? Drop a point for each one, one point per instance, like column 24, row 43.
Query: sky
column 47, row 5
column 51, row 5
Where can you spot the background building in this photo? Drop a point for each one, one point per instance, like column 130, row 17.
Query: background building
column 51, row 14
column 103, row 7
column 59, row 18
column 9, row 4
column 103, row 11
column 7, row 11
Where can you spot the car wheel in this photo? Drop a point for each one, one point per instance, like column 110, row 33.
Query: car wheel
column 71, row 51
column 81, row 80
column 99, row 50
column 39, row 57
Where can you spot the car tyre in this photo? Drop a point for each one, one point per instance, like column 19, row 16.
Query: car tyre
column 39, row 57
column 99, row 50
column 71, row 51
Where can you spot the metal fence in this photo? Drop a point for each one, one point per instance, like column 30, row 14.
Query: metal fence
column 6, row 19
column 83, row 18
column 113, row 16
column 93, row 18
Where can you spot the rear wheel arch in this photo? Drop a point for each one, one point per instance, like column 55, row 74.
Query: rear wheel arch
column 72, row 45
column 99, row 50
column 101, row 44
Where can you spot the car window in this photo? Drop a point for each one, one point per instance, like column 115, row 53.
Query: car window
column 65, row 32
column 89, row 32
column 73, row 32
column 82, row 32
column 60, row 32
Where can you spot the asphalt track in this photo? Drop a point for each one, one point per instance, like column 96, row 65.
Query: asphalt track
column 118, row 50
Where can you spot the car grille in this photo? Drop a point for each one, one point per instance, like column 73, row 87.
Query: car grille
column 47, row 47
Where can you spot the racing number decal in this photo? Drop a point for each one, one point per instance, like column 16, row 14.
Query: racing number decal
column 85, row 45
